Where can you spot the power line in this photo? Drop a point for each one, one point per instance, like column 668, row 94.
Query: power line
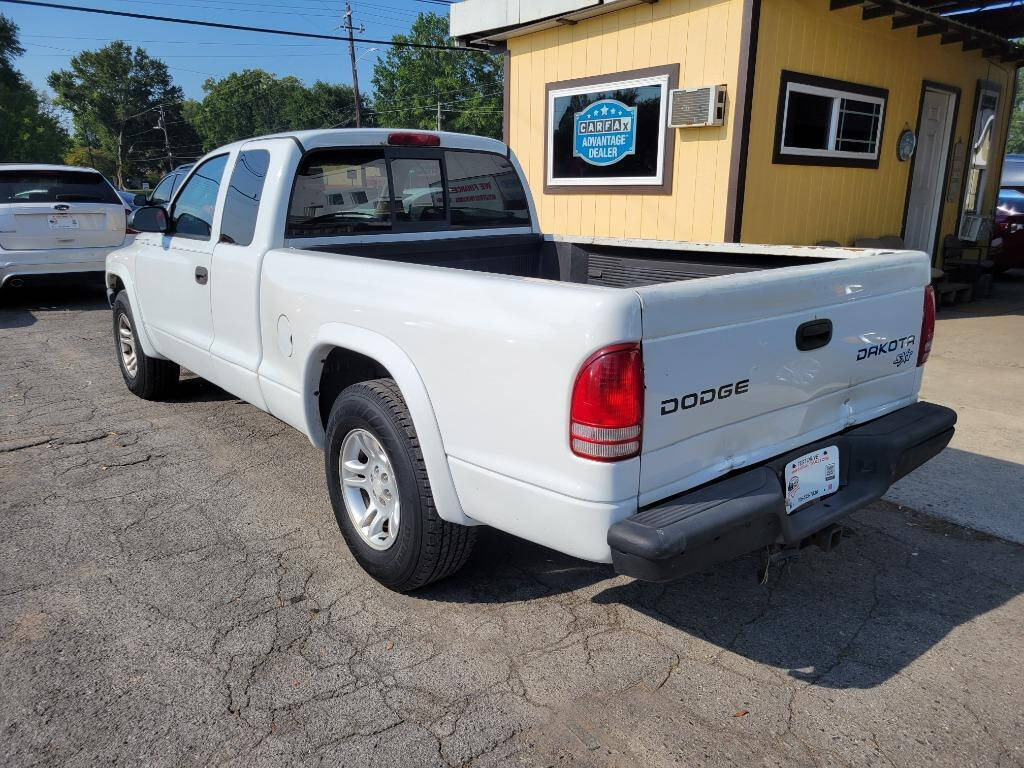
column 242, row 27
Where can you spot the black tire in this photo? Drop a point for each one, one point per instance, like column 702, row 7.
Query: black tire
column 153, row 379
column 426, row 548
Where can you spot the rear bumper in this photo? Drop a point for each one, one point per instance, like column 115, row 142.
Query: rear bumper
column 29, row 264
column 746, row 511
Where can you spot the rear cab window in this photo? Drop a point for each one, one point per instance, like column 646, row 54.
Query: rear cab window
column 55, row 186
column 340, row 192
column 361, row 191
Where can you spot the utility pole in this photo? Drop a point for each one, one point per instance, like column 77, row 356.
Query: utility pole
column 439, row 115
column 162, row 125
column 352, row 56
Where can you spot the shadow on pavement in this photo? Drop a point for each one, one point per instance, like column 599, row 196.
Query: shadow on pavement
column 193, row 389
column 852, row 618
column 18, row 306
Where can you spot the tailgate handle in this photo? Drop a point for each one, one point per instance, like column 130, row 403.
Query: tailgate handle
column 813, row 334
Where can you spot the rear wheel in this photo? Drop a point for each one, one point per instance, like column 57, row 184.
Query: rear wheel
column 381, row 494
column 147, row 377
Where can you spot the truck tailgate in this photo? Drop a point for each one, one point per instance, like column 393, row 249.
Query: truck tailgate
column 727, row 385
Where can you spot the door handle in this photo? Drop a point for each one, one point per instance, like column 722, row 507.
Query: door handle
column 813, row 334
column 202, row 275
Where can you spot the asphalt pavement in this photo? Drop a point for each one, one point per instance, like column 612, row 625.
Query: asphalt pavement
column 174, row 591
column 977, row 368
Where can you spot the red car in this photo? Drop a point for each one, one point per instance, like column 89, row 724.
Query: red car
column 1007, row 249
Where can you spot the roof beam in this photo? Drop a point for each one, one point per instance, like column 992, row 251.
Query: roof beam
column 950, row 28
column 899, row 22
column 877, row 12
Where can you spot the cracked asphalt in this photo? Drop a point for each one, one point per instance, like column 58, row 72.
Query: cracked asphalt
column 174, row 591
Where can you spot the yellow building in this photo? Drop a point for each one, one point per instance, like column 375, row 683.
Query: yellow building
column 775, row 121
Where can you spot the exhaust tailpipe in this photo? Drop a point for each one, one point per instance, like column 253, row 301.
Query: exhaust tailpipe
column 828, row 538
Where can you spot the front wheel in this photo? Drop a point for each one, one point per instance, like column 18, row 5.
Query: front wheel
column 147, row 377
column 381, row 494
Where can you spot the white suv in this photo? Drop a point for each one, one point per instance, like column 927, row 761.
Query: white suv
column 56, row 219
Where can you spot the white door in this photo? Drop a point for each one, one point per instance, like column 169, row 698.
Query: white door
column 173, row 272
column 929, row 170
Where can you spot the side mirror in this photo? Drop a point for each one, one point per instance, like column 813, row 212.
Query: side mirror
column 140, row 200
column 150, row 218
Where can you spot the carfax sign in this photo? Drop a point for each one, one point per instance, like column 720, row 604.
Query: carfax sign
column 604, row 132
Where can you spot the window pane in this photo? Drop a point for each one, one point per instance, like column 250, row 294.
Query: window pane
column 808, row 120
column 163, row 190
column 243, row 198
column 857, row 129
column 484, row 190
column 193, row 210
column 340, row 192
column 642, row 162
column 418, row 193
column 55, row 187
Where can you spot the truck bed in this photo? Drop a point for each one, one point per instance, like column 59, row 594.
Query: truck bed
column 616, row 264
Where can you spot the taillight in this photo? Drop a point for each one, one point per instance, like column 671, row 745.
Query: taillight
column 607, row 411
column 411, row 139
column 927, row 326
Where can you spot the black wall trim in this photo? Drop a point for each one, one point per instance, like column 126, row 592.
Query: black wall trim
column 955, row 92
column 839, row 85
column 744, row 135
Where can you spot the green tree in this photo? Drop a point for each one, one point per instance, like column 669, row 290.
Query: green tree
column 254, row 102
column 92, row 157
column 409, row 83
column 30, row 131
column 1015, row 136
column 114, row 95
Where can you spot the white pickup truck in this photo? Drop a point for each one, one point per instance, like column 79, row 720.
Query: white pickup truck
column 662, row 406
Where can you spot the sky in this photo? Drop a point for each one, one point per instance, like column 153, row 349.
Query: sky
column 193, row 54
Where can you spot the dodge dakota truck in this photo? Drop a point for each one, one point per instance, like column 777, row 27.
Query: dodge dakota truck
column 661, row 406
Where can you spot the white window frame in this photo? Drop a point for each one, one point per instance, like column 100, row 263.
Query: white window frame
column 608, row 181
column 837, row 95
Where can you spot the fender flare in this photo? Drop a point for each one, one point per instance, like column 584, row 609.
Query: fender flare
column 122, row 273
column 400, row 366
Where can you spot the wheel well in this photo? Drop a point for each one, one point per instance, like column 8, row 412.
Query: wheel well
column 343, row 368
column 115, row 284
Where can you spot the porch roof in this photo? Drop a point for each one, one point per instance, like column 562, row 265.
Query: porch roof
column 977, row 25
column 990, row 27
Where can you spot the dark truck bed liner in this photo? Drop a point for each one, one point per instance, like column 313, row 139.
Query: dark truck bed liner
column 617, row 266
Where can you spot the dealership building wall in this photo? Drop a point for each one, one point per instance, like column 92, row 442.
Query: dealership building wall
column 727, row 182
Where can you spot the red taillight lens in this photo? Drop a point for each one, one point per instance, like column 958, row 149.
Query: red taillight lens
column 607, row 411
column 927, row 326
column 410, row 139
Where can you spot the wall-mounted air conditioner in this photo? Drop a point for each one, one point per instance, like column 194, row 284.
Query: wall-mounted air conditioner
column 696, row 107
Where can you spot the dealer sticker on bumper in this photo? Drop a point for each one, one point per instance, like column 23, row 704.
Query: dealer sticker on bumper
column 812, row 476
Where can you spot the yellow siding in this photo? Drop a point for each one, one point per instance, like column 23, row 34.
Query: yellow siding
column 804, row 204
column 703, row 37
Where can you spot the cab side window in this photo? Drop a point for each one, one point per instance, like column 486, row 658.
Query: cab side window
column 238, row 224
column 193, row 211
